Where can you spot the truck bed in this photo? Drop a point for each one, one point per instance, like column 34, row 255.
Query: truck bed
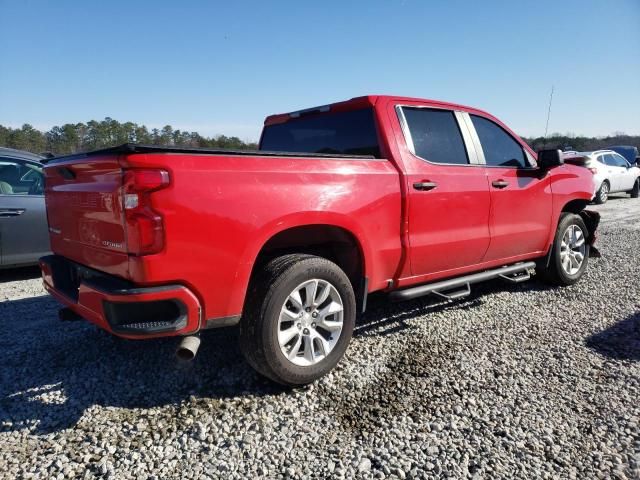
column 142, row 148
column 218, row 210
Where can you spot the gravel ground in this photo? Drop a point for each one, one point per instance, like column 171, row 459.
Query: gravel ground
column 514, row 381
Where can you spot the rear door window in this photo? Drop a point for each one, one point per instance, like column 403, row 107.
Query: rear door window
column 436, row 135
column 500, row 149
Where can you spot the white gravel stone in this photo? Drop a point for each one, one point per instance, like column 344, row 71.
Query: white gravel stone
column 518, row 381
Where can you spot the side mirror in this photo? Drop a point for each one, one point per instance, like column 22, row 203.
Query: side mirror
column 548, row 159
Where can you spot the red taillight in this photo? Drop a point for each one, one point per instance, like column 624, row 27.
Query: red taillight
column 145, row 229
column 146, row 180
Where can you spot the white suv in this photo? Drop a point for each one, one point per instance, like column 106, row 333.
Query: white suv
column 611, row 172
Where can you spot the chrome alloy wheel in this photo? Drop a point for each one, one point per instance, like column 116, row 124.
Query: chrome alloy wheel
column 310, row 323
column 572, row 249
column 604, row 192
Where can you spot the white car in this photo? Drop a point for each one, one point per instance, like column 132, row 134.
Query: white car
column 611, row 172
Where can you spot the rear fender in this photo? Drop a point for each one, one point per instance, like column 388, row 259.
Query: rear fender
column 299, row 219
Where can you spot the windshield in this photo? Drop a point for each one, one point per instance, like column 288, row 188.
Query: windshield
column 346, row 133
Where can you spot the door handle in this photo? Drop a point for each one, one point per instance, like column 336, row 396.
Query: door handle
column 11, row 212
column 500, row 184
column 424, row 186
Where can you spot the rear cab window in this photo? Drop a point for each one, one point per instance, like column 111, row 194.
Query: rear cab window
column 340, row 133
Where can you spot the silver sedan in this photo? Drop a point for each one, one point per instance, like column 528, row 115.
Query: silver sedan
column 24, row 235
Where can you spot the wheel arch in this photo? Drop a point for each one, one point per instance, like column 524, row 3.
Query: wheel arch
column 574, row 206
column 329, row 241
column 336, row 238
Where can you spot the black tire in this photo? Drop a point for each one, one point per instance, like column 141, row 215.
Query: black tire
column 266, row 296
column 554, row 273
column 635, row 191
column 603, row 193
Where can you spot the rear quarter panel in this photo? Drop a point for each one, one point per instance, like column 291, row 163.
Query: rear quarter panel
column 220, row 210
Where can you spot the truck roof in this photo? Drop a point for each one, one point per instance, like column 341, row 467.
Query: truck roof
column 363, row 102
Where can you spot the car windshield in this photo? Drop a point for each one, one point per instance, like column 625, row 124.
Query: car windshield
column 340, row 133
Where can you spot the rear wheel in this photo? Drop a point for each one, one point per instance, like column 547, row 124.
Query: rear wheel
column 603, row 193
column 635, row 191
column 569, row 252
column 298, row 319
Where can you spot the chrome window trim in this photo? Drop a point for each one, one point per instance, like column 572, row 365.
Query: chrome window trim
column 467, row 138
column 472, row 156
column 474, row 137
column 405, row 130
column 532, row 161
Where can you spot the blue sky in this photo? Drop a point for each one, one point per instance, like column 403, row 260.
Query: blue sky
column 220, row 67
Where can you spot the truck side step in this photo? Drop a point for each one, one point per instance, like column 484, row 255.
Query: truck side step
column 453, row 295
column 517, row 277
column 515, row 273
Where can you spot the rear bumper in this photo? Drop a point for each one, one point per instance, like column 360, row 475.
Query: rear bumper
column 119, row 306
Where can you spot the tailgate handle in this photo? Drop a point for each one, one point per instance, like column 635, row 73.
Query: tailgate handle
column 424, row 186
column 500, row 184
column 67, row 173
column 11, row 212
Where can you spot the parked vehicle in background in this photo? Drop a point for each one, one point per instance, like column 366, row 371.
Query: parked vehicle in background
column 629, row 152
column 612, row 173
column 24, row 236
column 408, row 196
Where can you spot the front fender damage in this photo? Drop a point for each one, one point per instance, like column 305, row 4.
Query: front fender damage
column 591, row 220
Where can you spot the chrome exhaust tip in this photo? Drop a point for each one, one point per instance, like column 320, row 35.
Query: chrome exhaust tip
column 188, row 348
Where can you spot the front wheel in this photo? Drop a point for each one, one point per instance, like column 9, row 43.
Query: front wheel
column 569, row 252
column 635, row 191
column 603, row 193
column 298, row 319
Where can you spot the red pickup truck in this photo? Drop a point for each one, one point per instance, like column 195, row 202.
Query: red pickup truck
column 403, row 195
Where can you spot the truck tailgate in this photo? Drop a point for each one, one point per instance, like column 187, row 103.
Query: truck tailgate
column 85, row 214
